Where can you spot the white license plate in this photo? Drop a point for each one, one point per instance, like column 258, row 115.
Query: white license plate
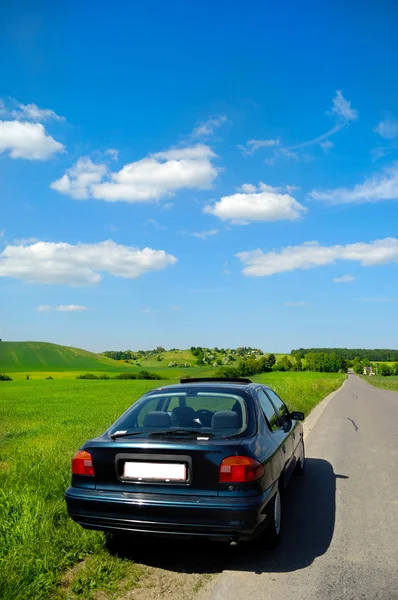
column 142, row 471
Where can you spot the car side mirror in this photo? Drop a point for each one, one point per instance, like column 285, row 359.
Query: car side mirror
column 297, row 415
column 287, row 425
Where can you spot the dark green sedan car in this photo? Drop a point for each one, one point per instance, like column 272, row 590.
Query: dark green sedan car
column 204, row 458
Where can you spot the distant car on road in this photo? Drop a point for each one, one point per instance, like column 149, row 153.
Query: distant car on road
column 205, row 458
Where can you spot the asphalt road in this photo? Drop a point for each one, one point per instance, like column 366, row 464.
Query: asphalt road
column 340, row 519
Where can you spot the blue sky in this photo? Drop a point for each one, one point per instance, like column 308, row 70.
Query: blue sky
column 216, row 174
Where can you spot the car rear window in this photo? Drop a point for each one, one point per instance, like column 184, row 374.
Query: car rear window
column 217, row 412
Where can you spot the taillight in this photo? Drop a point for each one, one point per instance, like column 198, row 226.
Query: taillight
column 82, row 463
column 240, row 469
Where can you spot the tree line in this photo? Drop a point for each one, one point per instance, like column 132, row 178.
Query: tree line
column 351, row 353
column 314, row 361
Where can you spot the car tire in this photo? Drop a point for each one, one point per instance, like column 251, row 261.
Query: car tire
column 273, row 531
column 299, row 470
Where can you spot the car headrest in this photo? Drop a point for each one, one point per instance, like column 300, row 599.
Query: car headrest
column 226, row 419
column 182, row 416
column 157, row 418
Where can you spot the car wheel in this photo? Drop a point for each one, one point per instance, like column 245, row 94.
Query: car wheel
column 273, row 532
column 299, row 470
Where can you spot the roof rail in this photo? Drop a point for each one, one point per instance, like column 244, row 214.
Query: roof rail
column 216, row 379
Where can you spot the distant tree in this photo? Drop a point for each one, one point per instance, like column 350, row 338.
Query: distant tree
column 247, row 367
column 381, row 355
column 159, row 349
column 227, row 372
column 286, row 363
column 271, row 360
column 324, row 362
column 279, row 366
column 298, row 353
column 384, row 370
column 263, row 365
column 358, row 367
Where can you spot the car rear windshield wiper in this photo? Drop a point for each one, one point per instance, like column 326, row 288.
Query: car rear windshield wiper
column 119, row 434
column 180, row 433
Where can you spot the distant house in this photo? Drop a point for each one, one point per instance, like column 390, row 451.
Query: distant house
column 368, row 371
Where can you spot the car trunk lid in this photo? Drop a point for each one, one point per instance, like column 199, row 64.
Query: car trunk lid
column 180, row 467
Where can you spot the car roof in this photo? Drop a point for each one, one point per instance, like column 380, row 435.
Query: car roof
column 216, row 383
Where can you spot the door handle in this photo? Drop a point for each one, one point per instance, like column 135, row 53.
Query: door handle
column 284, row 448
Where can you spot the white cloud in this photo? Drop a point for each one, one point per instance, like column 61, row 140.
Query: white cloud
column 155, row 224
column 342, row 108
column 27, row 112
column 266, row 204
column 388, row 128
column 79, row 179
column 31, row 112
column 113, row 153
column 291, row 304
column 326, row 145
column 382, row 186
column 80, row 264
column 247, row 188
column 342, row 114
column 311, row 254
column 27, row 140
column 71, row 308
column 344, row 279
column 253, row 145
column 379, row 152
column 203, row 235
column 207, row 128
column 175, row 307
column 43, row 308
column 2, row 233
column 146, row 311
column 146, row 180
column 24, row 241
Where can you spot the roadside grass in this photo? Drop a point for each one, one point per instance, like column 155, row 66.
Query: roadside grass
column 302, row 390
column 385, row 383
column 43, row 553
column 42, row 424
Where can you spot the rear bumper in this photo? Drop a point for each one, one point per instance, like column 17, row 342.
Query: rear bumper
column 189, row 517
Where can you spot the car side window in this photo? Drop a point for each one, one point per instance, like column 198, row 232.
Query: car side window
column 151, row 405
column 268, row 410
column 279, row 405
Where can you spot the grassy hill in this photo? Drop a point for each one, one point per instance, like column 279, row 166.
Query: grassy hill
column 42, row 356
column 47, row 359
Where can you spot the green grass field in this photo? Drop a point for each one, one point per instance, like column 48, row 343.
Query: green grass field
column 29, row 357
column 385, row 383
column 42, row 424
